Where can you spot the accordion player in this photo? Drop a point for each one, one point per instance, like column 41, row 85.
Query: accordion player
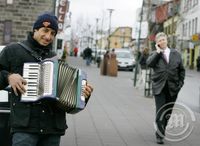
column 55, row 80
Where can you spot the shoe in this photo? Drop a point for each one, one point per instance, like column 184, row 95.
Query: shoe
column 159, row 140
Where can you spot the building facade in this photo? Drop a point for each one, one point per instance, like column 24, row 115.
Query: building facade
column 121, row 37
column 17, row 17
column 188, row 31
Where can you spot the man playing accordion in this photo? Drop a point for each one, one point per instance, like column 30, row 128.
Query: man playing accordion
column 37, row 123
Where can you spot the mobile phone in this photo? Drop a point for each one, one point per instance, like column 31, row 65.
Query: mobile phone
column 157, row 45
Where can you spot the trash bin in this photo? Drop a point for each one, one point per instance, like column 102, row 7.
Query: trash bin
column 104, row 64
column 5, row 136
column 112, row 67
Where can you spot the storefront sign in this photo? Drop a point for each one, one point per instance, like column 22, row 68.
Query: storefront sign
column 63, row 8
column 195, row 37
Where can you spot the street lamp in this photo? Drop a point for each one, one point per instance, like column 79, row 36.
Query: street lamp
column 138, row 45
column 96, row 42
column 109, row 30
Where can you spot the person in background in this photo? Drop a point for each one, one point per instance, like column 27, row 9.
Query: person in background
column 39, row 123
column 75, row 51
column 143, row 58
column 167, row 80
column 112, row 53
column 88, row 55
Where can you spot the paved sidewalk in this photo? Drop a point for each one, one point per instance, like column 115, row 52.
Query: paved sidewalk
column 117, row 114
column 190, row 93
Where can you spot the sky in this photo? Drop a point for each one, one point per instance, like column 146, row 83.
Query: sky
column 87, row 11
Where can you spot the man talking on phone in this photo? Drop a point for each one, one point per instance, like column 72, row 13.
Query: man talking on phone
column 167, row 80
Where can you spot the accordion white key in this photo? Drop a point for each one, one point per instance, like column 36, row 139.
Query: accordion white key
column 55, row 80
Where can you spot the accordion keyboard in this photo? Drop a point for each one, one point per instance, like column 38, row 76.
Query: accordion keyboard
column 30, row 74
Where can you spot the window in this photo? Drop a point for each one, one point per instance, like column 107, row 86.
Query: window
column 189, row 29
column 193, row 26
column 190, row 4
column 185, row 5
column 195, row 2
column 186, row 29
column 59, row 44
column 183, row 30
column 7, row 32
column 9, row 2
column 196, row 25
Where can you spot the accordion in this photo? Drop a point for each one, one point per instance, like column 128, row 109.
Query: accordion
column 55, row 80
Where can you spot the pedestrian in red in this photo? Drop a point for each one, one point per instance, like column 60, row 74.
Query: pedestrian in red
column 75, row 51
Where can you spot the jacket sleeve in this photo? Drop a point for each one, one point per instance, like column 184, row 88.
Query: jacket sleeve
column 4, row 69
column 153, row 59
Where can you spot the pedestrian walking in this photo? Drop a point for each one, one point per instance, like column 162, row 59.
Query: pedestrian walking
column 75, row 51
column 167, row 80
column 142, row 61
column 88, row 55
column 38, row 123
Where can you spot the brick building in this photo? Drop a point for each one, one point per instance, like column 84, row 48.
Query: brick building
column 17, row 17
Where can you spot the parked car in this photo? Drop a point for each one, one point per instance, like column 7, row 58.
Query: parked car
column 125, row 59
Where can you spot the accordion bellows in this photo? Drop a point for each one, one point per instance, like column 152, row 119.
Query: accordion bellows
column 55, row 80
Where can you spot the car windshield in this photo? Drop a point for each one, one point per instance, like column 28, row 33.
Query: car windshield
column 123, row 55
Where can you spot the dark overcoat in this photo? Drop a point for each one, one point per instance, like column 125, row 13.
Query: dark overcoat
column 172, row 73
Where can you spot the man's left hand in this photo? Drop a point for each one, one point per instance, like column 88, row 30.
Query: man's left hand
column 87, row 90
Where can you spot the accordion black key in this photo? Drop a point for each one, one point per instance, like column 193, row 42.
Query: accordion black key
column 55, row 80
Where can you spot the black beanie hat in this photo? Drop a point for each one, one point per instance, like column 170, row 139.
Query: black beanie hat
column 46, row 20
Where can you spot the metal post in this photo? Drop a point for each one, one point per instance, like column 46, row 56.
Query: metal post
column 138, row 46
column 96, row 41
column 109, row 30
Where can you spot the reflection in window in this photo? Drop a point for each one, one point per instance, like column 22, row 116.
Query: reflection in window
column 9, row 2
column 7, row 32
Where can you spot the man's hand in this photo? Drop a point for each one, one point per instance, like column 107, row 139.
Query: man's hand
column 87, row 90
column 17, row 83
column 158, row 49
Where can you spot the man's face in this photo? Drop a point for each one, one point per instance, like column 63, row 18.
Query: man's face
column 44, row 35
column 162, row 42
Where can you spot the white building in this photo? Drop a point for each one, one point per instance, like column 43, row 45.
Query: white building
column 188, row 31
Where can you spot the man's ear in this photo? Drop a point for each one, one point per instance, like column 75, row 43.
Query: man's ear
column 34, row 30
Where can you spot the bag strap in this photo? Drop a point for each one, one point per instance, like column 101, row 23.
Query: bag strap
column 33, row 53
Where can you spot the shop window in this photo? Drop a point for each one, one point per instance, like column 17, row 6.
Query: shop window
column 9, row 2
column 7, row 32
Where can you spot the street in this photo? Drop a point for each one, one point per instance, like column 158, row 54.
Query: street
column 119, row 115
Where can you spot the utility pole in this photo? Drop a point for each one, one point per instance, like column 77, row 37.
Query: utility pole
column 138, row 45
column 96, row 41
column 109, row 30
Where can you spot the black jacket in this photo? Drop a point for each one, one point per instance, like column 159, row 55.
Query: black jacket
column 172, row 73
column 143, row 60
column 40, row 117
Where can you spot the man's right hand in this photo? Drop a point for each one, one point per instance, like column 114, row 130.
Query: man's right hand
column 158, row 49
column 17, row 83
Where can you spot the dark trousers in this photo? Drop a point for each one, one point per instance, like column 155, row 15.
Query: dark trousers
column 164, row 105
column 28, row 139
column 5, row 136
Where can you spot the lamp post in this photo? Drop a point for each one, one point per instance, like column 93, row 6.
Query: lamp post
column 138, row 45
column 96, row 41
column 109, row 30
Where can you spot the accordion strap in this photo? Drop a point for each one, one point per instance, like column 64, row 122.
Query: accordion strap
column 33, row 53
